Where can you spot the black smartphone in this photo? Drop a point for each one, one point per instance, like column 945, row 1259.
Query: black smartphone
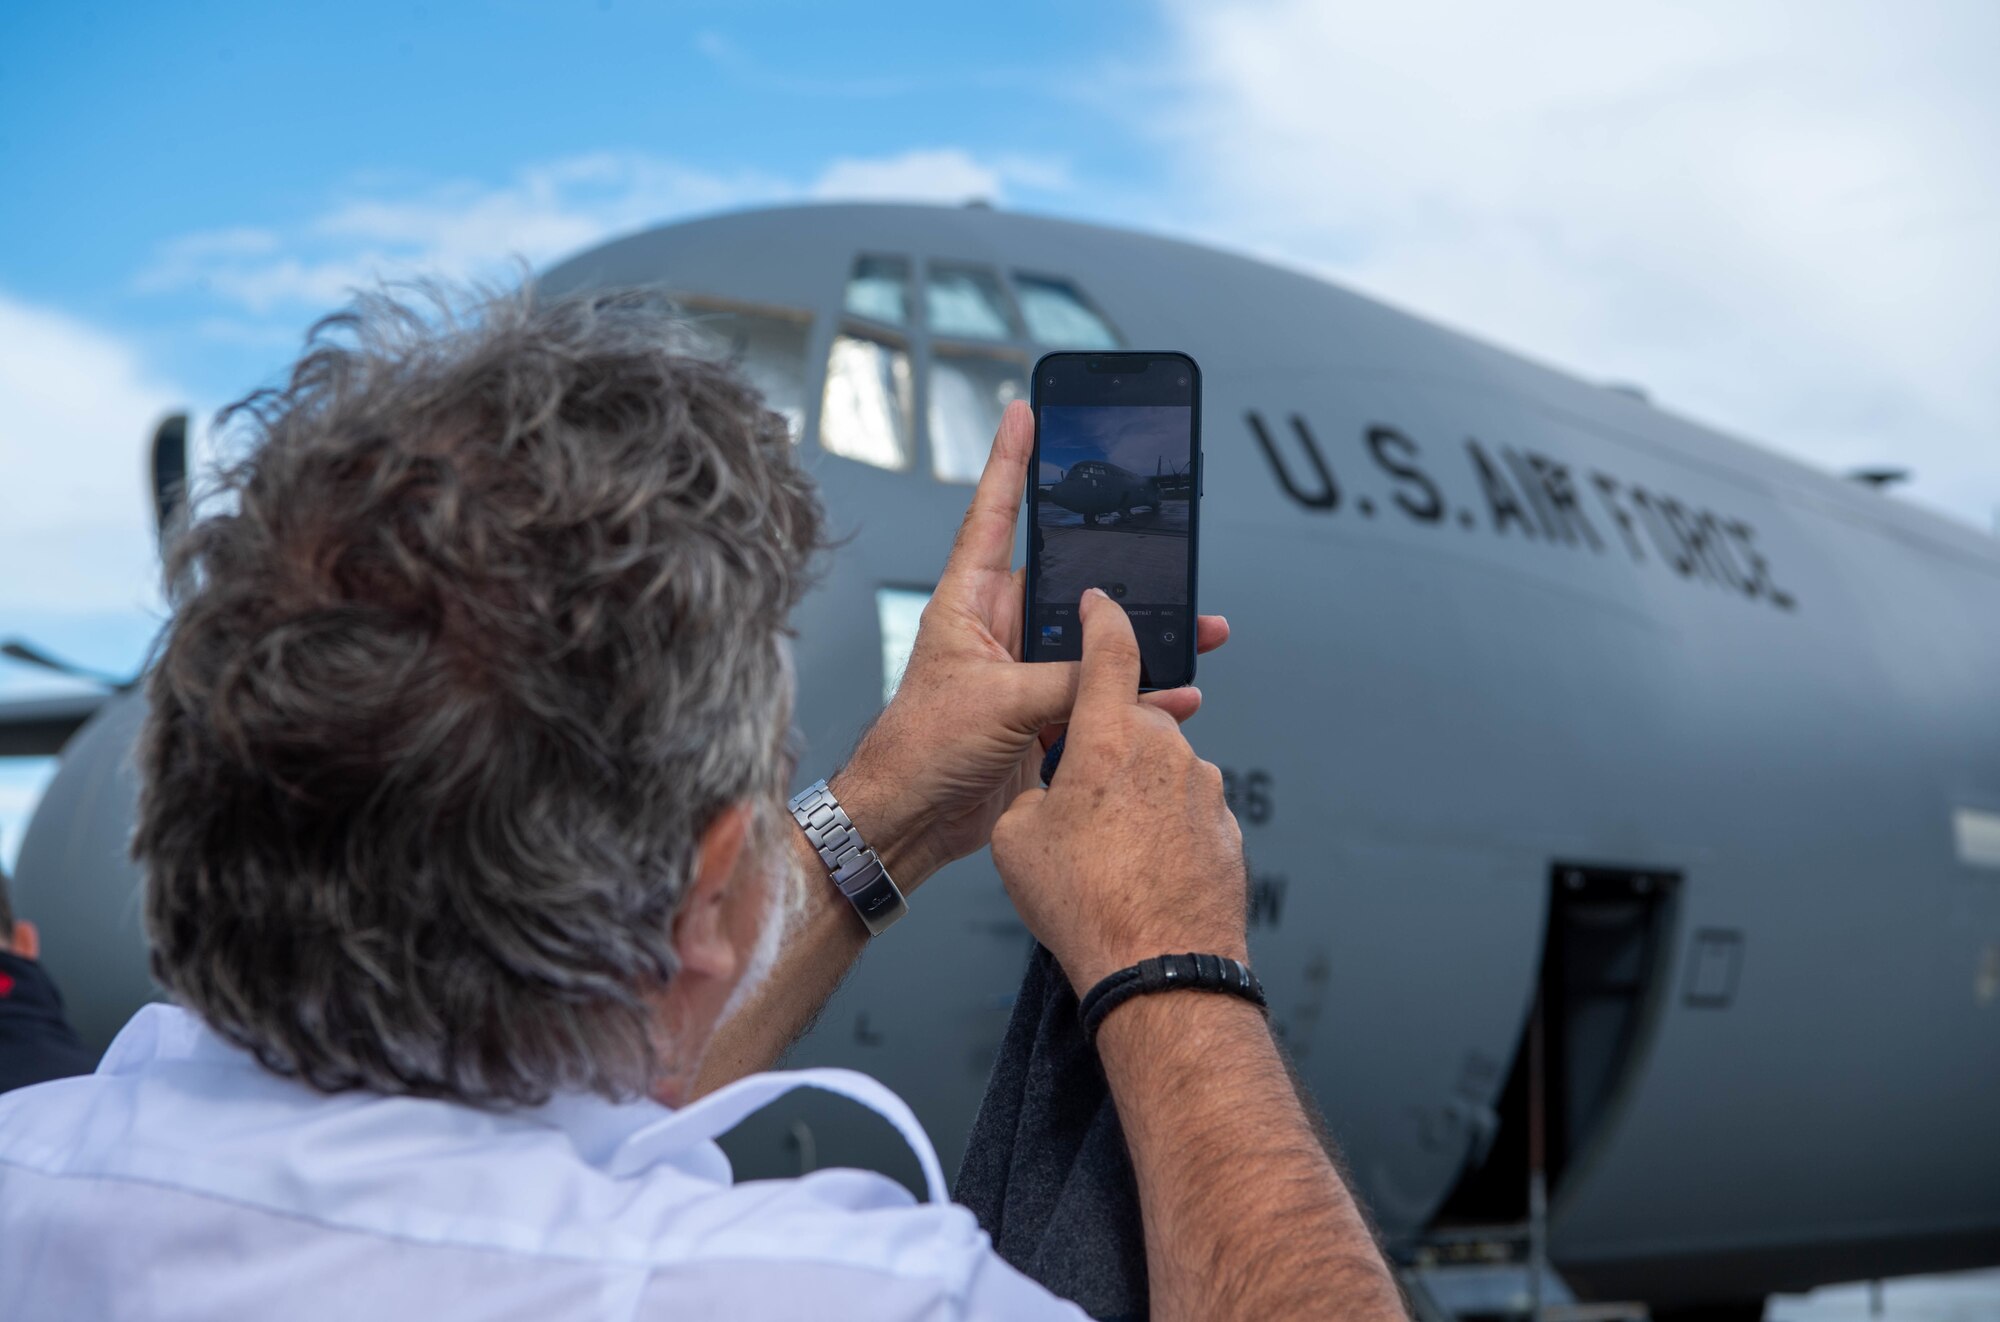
column 1114, row 502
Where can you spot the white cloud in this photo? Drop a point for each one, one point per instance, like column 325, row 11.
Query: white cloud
column 453, row 230
column 466, row 228
column 1777, row 217
column 936, row 175
column 933, row 176
column 181, row 259
column 77, row 409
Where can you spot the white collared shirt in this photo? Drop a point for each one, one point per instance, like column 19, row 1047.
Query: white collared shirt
column 183, row 1181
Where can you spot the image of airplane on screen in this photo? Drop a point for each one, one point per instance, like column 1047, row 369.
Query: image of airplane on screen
column 1113, row 511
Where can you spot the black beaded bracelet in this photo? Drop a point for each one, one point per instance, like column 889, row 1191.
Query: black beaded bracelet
column 1166, row 973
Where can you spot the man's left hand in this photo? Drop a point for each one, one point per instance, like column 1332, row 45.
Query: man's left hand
column 965, row 732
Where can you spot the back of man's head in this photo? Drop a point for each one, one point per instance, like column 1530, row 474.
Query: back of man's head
column 489, row 635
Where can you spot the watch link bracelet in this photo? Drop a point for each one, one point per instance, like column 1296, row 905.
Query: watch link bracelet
column 1216, row 973
column 857, row 873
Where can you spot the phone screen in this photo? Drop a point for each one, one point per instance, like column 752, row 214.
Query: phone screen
column 1115, row 503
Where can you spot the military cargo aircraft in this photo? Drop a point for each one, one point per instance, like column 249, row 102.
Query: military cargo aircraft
column 1098, row 489
column 1622, row 799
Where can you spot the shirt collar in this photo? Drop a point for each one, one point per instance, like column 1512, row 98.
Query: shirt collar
column 617, row 1137
column 598, row 1129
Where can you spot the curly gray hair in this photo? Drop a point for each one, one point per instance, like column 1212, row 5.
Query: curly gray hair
column 490, row 634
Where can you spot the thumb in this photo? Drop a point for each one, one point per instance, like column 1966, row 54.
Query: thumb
column 1018, row 814
column 1040, row 695
column 1109, row 676
column 1026, row 801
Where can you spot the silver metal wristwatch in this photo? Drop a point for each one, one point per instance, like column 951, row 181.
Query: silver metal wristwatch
column 856, row 871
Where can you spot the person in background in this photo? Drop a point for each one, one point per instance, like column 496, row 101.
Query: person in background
column 36, row 1042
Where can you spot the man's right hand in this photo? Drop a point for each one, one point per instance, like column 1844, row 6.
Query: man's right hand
column 1133, row 851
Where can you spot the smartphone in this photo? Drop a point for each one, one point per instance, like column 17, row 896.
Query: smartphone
column 1114, row 502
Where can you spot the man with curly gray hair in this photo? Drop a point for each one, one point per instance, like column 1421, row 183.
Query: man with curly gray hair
column 469, row 873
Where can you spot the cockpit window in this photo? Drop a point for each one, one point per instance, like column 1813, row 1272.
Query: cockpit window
column 1058, row 316
column 768, row 347
column 969, row 391
column 976, row 336
column 865, row 411
column 967, row 302
column 898, row 611
column 879, row 289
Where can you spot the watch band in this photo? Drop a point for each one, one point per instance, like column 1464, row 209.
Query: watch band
column 856, row 871
column 1216, row 973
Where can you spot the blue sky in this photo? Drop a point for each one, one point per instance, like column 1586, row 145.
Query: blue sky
column 133, row 133
column 1777, row 215
column 1138, row 439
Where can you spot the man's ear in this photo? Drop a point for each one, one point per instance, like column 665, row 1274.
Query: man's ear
column 701, row 933
column 27, row 940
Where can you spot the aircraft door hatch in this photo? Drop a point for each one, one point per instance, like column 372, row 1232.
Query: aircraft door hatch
column 1604, row 966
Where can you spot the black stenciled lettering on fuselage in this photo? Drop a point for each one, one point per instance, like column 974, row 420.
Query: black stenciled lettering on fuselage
column 1555, row 480
column 1538, row 500
column 1716, row 539
column 1327, row 497
column 1687, row 529
column 1500, row 502
column 1705, row 537
column 1760, row 571
column 1607, row 488
column 1541, row 494
column 1416, row 495
column 1248, row 794
column 1664, row 541
column 1267, row 899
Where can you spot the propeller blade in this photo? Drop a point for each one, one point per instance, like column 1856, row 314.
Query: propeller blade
column 29, row 654
column 169, row 473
